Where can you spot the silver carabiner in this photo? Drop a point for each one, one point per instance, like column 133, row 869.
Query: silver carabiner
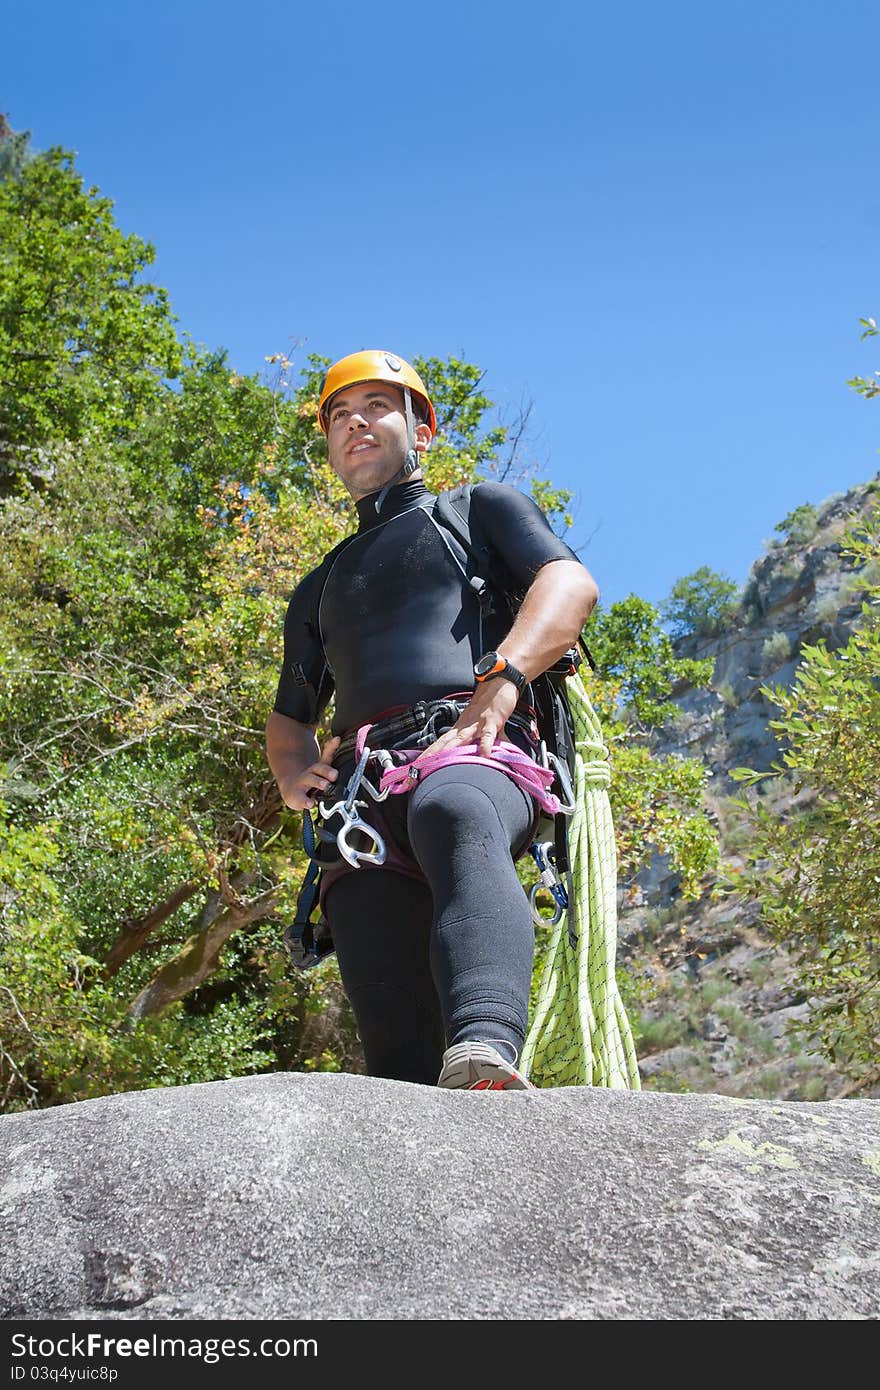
column 537, row 915
column 567, row 804
column 550, row 883
column 357, row 857
column 347, row 808
column 374, row 791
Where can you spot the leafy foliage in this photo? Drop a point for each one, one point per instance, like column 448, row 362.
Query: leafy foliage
column 818, row 872
column 869, row 387
column 84, row 341
column 702, row 603
column 631, row 646
column 657, row 801
column 800, row 525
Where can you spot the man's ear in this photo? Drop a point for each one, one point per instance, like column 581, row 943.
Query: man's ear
column 423, row 438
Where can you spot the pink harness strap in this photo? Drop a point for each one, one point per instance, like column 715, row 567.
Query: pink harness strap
column 512, row 761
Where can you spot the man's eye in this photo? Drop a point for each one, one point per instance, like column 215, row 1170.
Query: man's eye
column 337, row 415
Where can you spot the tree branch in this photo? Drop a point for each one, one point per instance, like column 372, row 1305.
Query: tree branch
column 198, row 958
column 135, row 932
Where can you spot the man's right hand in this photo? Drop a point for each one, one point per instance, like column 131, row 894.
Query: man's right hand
column 312, row 784
column 306, row 789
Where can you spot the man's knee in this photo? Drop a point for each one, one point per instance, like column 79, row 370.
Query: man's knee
column 451, row 815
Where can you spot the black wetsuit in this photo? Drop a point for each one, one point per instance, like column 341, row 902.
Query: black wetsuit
column 389, row 619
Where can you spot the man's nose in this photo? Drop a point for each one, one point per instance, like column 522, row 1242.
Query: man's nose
column 356, row 421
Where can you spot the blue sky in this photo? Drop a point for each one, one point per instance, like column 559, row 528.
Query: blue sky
column 657, row 223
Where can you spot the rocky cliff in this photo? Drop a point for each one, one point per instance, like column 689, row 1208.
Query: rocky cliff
column 720, row 996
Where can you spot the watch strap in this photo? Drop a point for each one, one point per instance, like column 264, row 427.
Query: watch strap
column 504, row 670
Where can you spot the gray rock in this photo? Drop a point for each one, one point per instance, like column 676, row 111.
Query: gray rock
column 671, row 1061
column 657, row 881
column 713, row 1028
column 723, row 1057
column 777, row 1023
column 347, row 1197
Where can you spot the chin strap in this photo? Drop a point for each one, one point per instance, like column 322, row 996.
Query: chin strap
column 411, row 462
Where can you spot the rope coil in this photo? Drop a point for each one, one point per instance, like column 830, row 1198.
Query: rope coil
column 580, row 1034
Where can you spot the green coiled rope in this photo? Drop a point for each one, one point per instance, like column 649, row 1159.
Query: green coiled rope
column 580, row 1034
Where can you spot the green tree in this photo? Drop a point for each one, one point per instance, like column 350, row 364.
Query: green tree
column 85, row 342
column 630, row 645
column 800, row 525
column 657, row 801
column 817, row 871
column 702, row 603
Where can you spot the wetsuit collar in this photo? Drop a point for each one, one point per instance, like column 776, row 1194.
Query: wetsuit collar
column 399, row 499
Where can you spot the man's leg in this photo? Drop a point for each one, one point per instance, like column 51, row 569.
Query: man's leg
column 381, row 925
column 464, row 825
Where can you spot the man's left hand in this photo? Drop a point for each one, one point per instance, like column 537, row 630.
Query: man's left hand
column 481, row 721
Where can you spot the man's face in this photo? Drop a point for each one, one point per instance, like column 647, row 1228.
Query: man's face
column 366, row 435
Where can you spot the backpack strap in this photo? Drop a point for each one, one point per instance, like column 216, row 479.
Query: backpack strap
column 452, row 511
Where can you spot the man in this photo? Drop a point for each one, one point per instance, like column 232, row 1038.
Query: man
column 435, row 946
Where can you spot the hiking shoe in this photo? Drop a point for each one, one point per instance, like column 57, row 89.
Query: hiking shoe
column 475, row 1066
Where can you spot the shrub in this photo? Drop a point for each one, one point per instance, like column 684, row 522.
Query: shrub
column 775, row 651
column 657, row 1034
column 713, row 989
column 800, row 525
column 769, row 1083
column 702, row 603
column 829, row 605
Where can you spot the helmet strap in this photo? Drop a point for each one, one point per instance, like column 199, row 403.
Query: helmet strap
column 411, row 462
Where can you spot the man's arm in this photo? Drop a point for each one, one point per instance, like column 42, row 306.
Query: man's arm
column 302, row 771
column 552, row 617
column 550, row 620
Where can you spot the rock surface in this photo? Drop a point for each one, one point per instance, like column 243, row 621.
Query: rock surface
column 709, row 961
column 347, row 1197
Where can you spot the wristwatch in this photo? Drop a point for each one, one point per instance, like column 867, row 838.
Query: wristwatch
column 492, row 664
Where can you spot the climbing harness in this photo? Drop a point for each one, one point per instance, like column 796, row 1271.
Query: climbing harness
column 402, row 772
column 518, row 766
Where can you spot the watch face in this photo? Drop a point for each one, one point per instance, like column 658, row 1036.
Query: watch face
column 486, row 663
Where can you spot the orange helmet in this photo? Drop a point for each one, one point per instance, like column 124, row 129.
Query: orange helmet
column 372, row 365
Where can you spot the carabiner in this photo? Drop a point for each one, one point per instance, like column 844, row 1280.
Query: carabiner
column 357, row 857
column 347, row 808
column 352, row 821
column 544, row 856
column 567, row 804
column 368, row 785
column 537, row 915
